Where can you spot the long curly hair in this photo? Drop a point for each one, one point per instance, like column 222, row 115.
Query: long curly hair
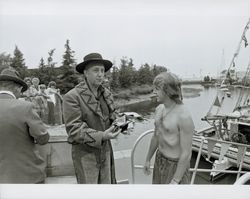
column 170, row 84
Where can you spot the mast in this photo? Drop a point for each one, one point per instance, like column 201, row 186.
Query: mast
column 243, row 37
column 242, row 91
column 228, row 73
column 222, row 64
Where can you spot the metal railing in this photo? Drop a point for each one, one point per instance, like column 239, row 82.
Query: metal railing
column 195, row 169
column 133, row 152
column 243, row 179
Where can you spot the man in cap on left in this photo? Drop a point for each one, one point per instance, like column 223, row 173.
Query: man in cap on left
column 21, row 130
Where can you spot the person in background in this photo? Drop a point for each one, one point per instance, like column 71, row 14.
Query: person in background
column 31, row 92
column 172, row 139
column 21, row 131
column 88, row 116
column 44, row 104
column 55, row 104
column 37, row 99
column 35, row 83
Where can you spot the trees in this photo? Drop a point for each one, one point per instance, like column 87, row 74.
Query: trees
column 68, row 78
column 5, row 60
column 145, row 75
column 50, row 62
column 127, row 76
column 122, row 75
column 46, row 72
column 127, row 73
column 206, row 79
column 42, row 63
column 114, row 84
column 158, row 69
column 42, row 73
column 18, row 63
column 51, row 66
column 68, row 57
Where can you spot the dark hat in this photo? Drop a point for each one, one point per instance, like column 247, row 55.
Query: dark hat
column 9, row 74
column 93, row 57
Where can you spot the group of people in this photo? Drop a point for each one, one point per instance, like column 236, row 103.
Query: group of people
column 89, row 115
column 46, row 99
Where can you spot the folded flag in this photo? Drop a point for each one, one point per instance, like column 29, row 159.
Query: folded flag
column 241, row 151
column 223, row 150
column 210, row 147
column 217, row 102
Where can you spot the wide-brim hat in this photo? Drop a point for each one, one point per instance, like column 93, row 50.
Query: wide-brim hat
column 9, row 74
column 93, row 57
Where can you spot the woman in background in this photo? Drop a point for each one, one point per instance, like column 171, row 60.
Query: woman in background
column 44, row 103
column 54, row 104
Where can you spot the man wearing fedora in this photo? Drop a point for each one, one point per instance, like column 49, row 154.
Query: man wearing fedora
column 20, row 129
column 88, row 115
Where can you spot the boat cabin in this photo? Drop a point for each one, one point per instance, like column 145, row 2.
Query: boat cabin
column 242, row 129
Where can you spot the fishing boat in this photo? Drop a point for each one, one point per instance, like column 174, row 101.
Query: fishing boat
column 227, row 139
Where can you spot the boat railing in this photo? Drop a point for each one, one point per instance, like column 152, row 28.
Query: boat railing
column 133, row 167
column 195, row 169
column 243, row 179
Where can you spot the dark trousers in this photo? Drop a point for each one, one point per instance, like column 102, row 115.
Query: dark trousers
column 51, row 113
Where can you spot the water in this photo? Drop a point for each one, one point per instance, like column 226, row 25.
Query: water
column 198, row 108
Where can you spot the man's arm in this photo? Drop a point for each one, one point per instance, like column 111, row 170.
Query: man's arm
column 153, row 145
column 186, row 129
column 36, row 127
column 152, row 148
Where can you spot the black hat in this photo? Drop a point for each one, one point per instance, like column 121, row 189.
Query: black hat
column 93, row 57
column 9, row 74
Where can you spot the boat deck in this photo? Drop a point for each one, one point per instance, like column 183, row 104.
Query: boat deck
column 60, row 168
column 124, row 176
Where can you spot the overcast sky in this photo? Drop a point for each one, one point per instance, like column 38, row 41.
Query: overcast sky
column 186, row 36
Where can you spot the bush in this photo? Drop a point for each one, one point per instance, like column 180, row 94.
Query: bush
column 123, row 95
column 142, row 90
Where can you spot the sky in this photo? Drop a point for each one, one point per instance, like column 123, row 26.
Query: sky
column 186, row 36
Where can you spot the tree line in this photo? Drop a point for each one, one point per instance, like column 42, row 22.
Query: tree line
column 123, row 75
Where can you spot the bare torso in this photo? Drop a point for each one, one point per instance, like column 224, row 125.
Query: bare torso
column 167, row 129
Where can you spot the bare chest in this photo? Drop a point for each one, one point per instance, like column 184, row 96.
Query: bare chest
column 166, row 121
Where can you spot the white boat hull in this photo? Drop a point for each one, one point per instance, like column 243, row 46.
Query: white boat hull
column 231, row 153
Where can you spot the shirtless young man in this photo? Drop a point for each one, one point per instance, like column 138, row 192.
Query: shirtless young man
column 173, row 134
